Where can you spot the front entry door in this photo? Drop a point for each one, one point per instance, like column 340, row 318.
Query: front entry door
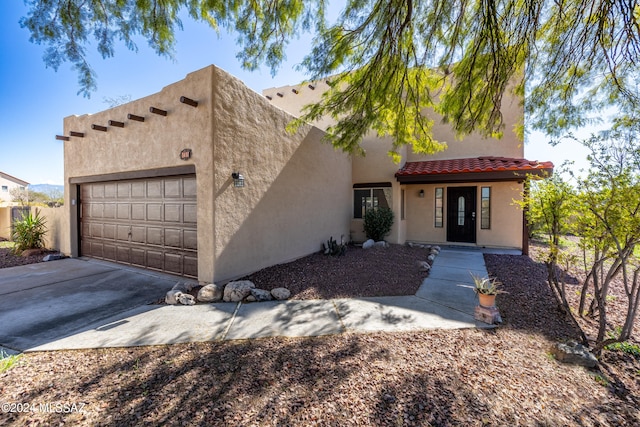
column 461, row 214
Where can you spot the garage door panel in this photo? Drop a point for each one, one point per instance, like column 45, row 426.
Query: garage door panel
column 109, row 231
column 124, row 210
column 154, row 190
column 138, row 211
column 109, row 251
column 172, row 213
column 155, row 260
column 150, row 223
column 173, row 262
column 108, row 211
column 190, row 239
column 138, row 234
column 138, row 257
column 172, row 237
column 154, row 212
column 190, row 214
column 154, row 236
column 172, row 188
column 122, row 253
column 110, row 191
column 97, row 191
column 189, row 188
column 123, row 233
column 95, row 230
column 190, row 266
column 95, row 210
column 124, row 190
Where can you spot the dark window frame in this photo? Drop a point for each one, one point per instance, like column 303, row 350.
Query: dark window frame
column 485, row 211
column 438, row 214
column 360, row 208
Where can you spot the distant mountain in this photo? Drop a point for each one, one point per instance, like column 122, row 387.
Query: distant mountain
column 48, row 189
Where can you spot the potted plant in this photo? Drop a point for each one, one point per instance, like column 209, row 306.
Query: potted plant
column 487, row 289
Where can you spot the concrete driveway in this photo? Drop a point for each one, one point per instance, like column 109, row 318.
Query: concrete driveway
column 43, row 302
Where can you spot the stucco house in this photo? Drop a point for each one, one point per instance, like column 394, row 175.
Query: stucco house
column 202, row 180
column 8, row 183
column 463, row 195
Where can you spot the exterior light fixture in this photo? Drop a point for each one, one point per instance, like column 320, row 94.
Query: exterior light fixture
column 238, row 179
column 421, row 194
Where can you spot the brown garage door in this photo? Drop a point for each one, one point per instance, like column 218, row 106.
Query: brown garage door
column 148, row 223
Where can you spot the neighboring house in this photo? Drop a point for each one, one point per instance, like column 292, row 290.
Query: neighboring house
column 463, row 195
column 8, row 183
column 9, row 212
column 203, row 180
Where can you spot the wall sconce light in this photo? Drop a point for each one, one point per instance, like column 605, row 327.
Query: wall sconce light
column 421, row 194
column 238, row 179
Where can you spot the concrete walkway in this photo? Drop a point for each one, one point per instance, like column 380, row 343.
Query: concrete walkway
column 445, row 300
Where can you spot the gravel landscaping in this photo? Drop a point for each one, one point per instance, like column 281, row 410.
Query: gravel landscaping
column 468, row 377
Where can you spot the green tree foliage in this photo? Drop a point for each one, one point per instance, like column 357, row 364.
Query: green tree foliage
column 550, row 204
column 603, row 210
column 389, row 60
column 608, row 221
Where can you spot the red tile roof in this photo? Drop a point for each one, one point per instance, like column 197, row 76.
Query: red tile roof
column 480, row 165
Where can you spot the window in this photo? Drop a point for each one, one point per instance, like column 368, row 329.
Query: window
column 438, row 214
column 401, row 204
column 461, row 210
column 370, row 198
column 5, row 188
column 485, row 208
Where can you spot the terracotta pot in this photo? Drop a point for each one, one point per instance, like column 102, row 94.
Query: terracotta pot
column 487, row 300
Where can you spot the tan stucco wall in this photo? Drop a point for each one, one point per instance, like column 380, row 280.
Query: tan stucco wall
column 473, row 145
column 5, row 223
column 57, row 223
column 297, row 188
column 281, row 213
column 506, row 216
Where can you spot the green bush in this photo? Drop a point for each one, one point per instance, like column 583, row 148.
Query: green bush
column 377, row 223
column 29, row 232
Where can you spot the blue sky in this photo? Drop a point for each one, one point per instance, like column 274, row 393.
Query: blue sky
column 34, row 99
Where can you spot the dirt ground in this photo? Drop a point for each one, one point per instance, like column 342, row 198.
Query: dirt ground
column 467, row 377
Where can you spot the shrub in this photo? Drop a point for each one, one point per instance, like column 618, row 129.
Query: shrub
column 29, row 232
column 377, row 223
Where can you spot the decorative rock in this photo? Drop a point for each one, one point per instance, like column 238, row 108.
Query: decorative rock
column 575, row 354
column 437, row 248
column 30, row 252
column 410, row 244
column 172, row 297
column 423, row 265
column 210, row 293
column 250, row 298
column 281, row 293
column 52, row 257
column 186, row 299
column 237, row 291
column 368, row 244
column 381, row 244
column 261, row 295
column 431, row 257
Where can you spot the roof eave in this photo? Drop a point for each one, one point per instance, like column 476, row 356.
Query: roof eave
column 446, row 178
